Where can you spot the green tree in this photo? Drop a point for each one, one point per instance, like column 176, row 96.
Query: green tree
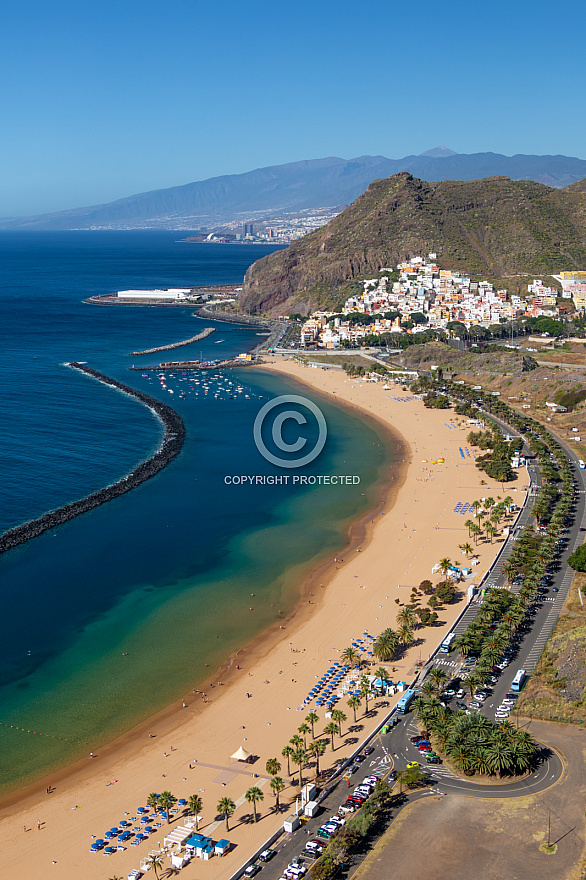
column 339, row 717
column 577, row 559
column 331, row 729
column 354, row 703
column 299, row 757
column 445, row 565
column 253, row 796
column 273, row 766
column 304, row 729
column 351, row 656
column 316, row 749
column 155, row 862
column 287, row 753
column 277, row 786
column 166, row 801
column 195, row 805
column 226, row 808
column 153, row 801
column 312, row 718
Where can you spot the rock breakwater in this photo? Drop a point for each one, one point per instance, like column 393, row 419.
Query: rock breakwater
column 169, row 447
column 205, row 332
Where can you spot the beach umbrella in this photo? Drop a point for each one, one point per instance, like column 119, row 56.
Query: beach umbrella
column 182, row 802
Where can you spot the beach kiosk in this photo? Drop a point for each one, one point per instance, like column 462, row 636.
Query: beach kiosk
column 222, row 847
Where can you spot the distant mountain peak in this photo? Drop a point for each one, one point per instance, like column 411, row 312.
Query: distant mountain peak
column 439, row 152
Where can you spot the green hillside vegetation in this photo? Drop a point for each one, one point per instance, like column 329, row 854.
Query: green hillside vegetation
column 491, row 227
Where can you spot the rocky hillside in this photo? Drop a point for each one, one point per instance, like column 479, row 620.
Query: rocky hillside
column 495, row 226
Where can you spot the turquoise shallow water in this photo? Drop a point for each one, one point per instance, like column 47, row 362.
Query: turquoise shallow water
column 114, row 615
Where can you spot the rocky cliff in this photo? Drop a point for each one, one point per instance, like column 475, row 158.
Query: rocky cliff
column 495, row 226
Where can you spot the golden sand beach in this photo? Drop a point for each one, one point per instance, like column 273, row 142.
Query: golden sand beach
column 44, row 835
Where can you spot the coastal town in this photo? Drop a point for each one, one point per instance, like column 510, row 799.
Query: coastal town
column 418, row 295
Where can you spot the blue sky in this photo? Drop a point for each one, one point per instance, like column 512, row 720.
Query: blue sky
column 104, row 100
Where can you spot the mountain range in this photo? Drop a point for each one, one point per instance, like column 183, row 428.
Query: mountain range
column 494, row 227
column 295, row 187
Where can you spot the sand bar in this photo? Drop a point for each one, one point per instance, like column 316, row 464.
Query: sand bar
column 409, row 534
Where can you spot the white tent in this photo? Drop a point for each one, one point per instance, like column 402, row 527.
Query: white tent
column 240, row 755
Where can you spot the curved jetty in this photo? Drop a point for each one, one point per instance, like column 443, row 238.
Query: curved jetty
column 169, row 447
column 205, row 332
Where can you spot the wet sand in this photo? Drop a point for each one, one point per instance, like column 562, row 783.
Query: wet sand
column 412, row 527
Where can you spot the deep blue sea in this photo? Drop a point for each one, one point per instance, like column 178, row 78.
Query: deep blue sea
column 91, row 609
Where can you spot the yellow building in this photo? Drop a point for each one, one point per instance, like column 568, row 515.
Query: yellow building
column 573, row 276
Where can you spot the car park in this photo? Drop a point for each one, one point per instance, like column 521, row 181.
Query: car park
column 433, row 759
column 475, row 705
column 417, row 739
column 460, row 693
column 461, row 706
column 315, row 843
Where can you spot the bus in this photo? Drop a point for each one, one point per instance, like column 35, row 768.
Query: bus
column 405, row 701
column 446, row 645
column 519, row 680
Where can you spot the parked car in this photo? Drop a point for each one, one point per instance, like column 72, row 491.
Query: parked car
column 266, row 855
column 369, row 750
column 252, row 870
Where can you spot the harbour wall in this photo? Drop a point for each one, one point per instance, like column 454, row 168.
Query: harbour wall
column 207, row 331
column 170, row 446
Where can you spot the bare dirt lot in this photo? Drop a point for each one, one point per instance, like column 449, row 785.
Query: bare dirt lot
column 462, row 838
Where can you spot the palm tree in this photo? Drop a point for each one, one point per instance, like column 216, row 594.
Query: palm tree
column 365, row 689
column 445, row 565
column 467, row 549
column 153, row 801
column 438, row 676
column 405, row 635
column 166, row 800
column 476, row 531
column 277, row 786
column 476, row 505
column 155, row 862
column 304, row 729
column 469, row 524
column 385, row 645
column 490, row 530
column 296, row 741
column 194, row 805
column 351, row 656
column 316, row 748
column 286, row 753
column 253, row 795
column 299, row 757
column 312, row 719
column 273, row 766
column 407, row 617
column 354, row 702
column 226, row 807
column 331, row 729
column 339, row 717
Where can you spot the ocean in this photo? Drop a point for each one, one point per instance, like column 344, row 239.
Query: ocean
column 116, row 614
